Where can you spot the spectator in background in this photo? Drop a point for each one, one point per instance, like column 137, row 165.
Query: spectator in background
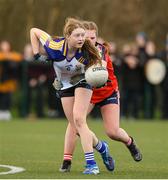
column 141, row 40
column 9, row 63
column 149, row 89
column 27, row 57
column 131, row 82
column 116, row 60
column 163, row 55
column 33, row 84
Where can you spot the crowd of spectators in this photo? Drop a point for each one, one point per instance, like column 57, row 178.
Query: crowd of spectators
column 32, row 82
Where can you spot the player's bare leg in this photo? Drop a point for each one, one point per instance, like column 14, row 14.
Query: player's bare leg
column 111, row 124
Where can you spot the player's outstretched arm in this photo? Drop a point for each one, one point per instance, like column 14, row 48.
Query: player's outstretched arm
column 37, row 36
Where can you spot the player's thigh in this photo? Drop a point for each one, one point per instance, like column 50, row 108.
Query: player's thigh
column 111, row 116
column 82, row 101
column 67, row 104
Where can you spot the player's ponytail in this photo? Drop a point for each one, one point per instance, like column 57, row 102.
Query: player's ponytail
column 91, row 53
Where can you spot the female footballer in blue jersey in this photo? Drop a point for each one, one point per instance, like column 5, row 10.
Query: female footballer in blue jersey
column 70, row 56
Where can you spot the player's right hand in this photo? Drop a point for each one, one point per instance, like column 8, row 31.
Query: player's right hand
column 39, row 57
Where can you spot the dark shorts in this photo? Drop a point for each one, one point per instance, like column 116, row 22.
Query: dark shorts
column 112, row 99
column 70, row 91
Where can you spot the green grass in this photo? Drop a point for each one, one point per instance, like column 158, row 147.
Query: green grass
column 37, row 146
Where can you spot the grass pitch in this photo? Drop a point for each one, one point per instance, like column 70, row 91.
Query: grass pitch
column 37, row 146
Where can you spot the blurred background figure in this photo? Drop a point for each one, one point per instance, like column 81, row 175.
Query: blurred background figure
column 33, row 85
column 36, row 88
column 116, row 59
column 149, row 89
column 163, row 55
column 9, row 65
column 141, row 40
column 131, row 82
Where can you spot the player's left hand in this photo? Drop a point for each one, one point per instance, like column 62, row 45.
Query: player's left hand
column 57, row 84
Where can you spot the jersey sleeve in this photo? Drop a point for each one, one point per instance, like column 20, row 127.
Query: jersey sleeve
column 45, row 38
column 47, row 41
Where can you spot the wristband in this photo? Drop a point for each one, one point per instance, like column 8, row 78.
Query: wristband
column 36, row 56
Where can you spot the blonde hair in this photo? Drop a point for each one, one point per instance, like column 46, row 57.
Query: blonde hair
column 90, row 25
column 71, row 24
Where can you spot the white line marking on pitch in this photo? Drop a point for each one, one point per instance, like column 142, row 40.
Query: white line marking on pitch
column 13, row 169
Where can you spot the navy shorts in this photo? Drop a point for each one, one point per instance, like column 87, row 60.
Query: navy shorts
column 112, row 99
column 70, row 91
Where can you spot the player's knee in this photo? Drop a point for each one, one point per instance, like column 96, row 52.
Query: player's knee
column 78, row 120
column 112, row 133
column 78, row 123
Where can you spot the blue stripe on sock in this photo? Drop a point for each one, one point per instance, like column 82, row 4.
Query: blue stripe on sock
column 100, row 147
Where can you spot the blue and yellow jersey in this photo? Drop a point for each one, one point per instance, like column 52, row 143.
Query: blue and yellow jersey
column 65, row 69
column 57, row 48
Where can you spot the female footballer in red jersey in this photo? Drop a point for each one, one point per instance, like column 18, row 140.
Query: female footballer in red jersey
column 107, row 98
